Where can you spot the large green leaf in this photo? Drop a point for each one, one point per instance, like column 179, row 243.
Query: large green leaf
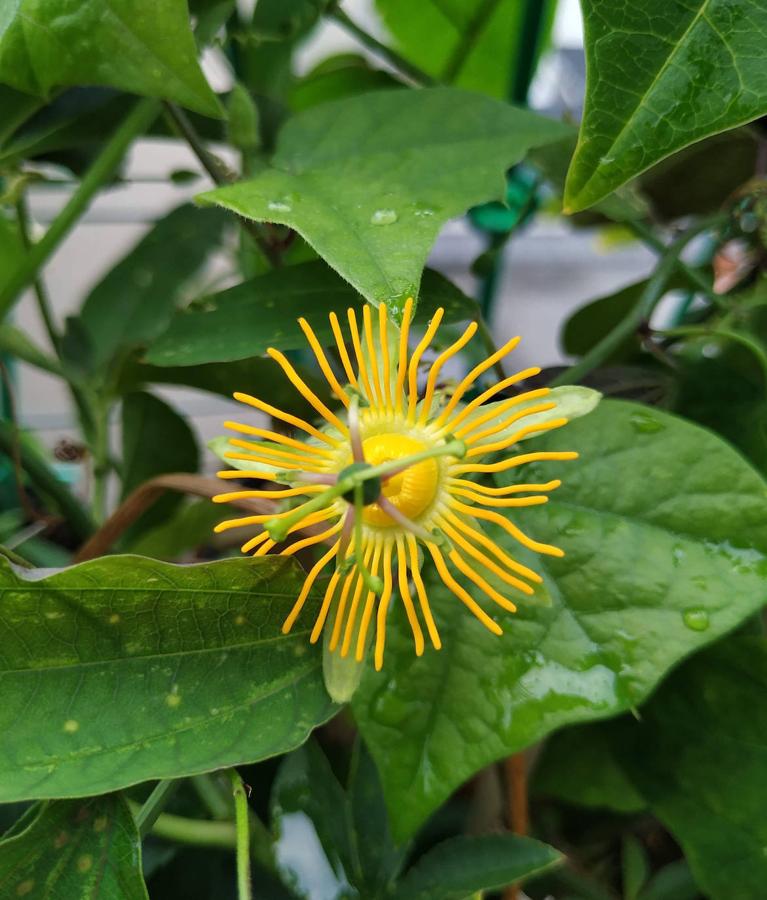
column 89, row 849
column 247, row 319
column 698, row 756
column 464, row 866
column 660, row 75
column 125, row 669
column 134, row 302
column 369, row 180
column 476, row 42
column 665, row 532
column 142, row 46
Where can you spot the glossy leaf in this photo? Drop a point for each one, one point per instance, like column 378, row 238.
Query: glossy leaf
column 661, row 75
column 142, row 46
column 369, row 181
column 474, row 42
column 135, row 301
column 657, row 565
column 125, row 669
column 89, row 849
column 698, row 757
column 463, row 866
column 336, row 77
column 245, row 320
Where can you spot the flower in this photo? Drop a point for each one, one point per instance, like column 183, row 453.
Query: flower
column 386, row 478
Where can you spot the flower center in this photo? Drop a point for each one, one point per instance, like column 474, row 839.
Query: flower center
column 411, row 491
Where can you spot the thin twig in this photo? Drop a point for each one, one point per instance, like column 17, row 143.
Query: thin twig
column 242, row 819
column 41, row 295
column 515, row 769
column 155, row 803
column 471, row 32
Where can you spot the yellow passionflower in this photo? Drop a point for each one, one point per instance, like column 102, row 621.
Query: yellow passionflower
column 387, row 473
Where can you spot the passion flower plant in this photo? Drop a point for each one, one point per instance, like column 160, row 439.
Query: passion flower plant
column 391, row 475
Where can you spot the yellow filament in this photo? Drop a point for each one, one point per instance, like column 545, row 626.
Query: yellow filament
column 342, row 605
column 491, row 391
column 517, row 436
column 323, row 362
column 307, row 586
column 319, row 622
column 407, row 600
column 342, row 352
column 285, row 417
column 312, row 540
column 402, row 362
column 275, row 495
column 382, row 329
column 246, row 473
column 459, row 591
column 305, row 391
column 252, row 457
column 421, row 591
column 373, row 356
column 473, row 375
column 509, row 527
column 359, row 354
column 277, row 438
column 369, row 604
column 460, row 563
column 481, row 538
column 412, row 372
column 313, row 519
column 502, row 491
column 383, row 607
column 512, row 461
column 262, row 450
column 436, row 367
column 508, row 502
column 248, row 520
column 490, row 564
column 352, row 617
column 254, row 542
column 497, row 412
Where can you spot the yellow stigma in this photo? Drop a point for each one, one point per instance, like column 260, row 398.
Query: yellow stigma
column 411, row 491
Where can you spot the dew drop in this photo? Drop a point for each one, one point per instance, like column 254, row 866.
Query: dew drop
column 696, row 619
column 281, row 206
column 71, row 726
column 383, row 217
column 645, row 423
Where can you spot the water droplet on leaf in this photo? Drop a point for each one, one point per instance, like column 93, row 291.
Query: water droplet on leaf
column 696, row 619
column 383, row 217
column 279, row 206
column 645, row 423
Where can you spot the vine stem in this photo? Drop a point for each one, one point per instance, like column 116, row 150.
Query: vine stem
column 640, row 313
column 136, row 122
column 242, row 821
column 468, row 39
column 196, row 832
column 155, row 802
column 416, row 75
column 43, row 303
column 515, row 768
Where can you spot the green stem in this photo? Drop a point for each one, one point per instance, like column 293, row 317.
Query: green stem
column 14, row 558
column 468, row 39
column 102, row 168
column 150, row 811
column 486, row 337
column 416, row 75
column 197, row 832
column 640, row 313
column 242, row 819
column 101, row 458
column 220, row 175
column 43, row 303
column 756, row 347
column 212, row 795
column 46, row 480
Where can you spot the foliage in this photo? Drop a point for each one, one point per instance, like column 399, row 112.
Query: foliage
column 628, row 686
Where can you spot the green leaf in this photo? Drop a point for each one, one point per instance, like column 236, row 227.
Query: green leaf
column 124, row 669
column 134, row 302
column 89, row 849
column 336, row 77
column 578, row 765
column 462, row 866
column 369, row 181
column 17, row 343
column 247, row 319
column 635, row 867
column 665, row 535
column 432, row 32
column 698, row 757
column 142, row 46
column 184, row 531
column 661, row 75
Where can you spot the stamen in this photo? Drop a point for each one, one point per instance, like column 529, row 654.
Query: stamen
column 368, row 327
column 512, row 461
column 382, row 323
column 243, row 473
column 460, row 563
column 436, row 367
column 307, row 586
column 313, row 519
column 502, row 491
column 509, row 527
column 402, row 363
column 342, row 606
column 518, row 436
column 506, row 503
column 371, row 581
column 491, row 391
column 483, row 540
column 383, row 607
column 277, row 438
column 306, row 392
column 415, row 359
column 500, row 424
column 262, row 449
column 352, row 617
column 276, row 495
column 459, row 591
column 360, row 355
column 257, row 458
column 355, row 436
column 312, row 540
column 421, row 591
column 323, row 362
column 407, row 600
column 322, row 615
column 286, row 417
column 369, row 604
